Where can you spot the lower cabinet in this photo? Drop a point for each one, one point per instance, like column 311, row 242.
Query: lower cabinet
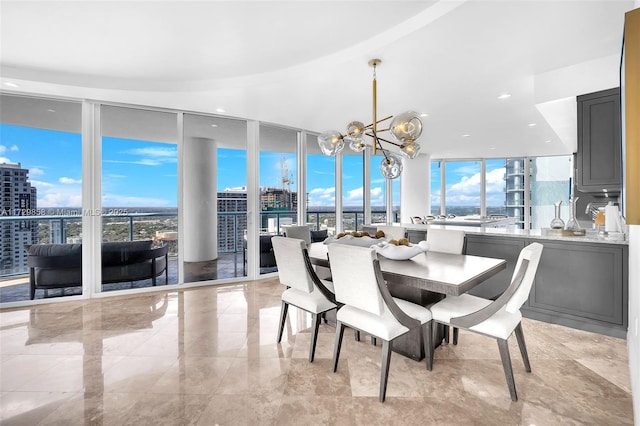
column 582, row 285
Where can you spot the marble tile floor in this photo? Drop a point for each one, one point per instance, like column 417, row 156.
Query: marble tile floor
column 208, row 356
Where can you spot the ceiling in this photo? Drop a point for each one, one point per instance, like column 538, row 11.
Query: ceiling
column 304, row 63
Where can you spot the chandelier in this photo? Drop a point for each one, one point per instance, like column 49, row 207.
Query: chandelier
column 405, row 129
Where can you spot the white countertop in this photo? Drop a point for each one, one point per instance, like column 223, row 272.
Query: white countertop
column 591, row 237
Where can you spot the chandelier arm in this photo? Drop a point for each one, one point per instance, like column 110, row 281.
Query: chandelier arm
column 368, row 126
column 384, row 140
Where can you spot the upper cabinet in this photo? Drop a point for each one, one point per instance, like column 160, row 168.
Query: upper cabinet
column 599, row 158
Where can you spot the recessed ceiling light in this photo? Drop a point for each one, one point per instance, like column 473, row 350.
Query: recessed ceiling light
column 51, row 110
column 547, row 141
column 466, row 135
column 504, row 96
column 531, row 124
column 492, row 148
column 221, row 110
column 424, row 114
column 214, row 125
column 10, row 84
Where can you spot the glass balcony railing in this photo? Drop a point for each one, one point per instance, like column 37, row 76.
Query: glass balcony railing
column 18, row 231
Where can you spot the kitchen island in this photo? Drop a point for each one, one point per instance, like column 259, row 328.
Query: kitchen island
column 582, row 281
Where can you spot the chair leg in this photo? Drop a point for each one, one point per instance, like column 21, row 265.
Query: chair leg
column 283, row 319
column 428, row 344
column 384, row 373
column 508, row 371
column 356, row 334
column 455, row 335
column 374, row 341
column 338, row 344
column 446, row 334
column 523, row 347
column 314, row 335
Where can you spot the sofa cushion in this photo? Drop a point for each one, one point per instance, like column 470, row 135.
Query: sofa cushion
column 54, row 249
column 119, row 252
column 319, row 236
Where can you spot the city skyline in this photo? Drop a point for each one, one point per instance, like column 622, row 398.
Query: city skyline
column 145, row 174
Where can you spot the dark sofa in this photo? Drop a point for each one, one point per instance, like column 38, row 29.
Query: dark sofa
column 60, row 265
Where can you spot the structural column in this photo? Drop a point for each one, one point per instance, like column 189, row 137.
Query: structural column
column 200, row 200
column 415, row 188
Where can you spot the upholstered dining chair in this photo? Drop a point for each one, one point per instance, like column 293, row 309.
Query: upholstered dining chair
column 305, row 290
column 369, row 307
column 499, row 318
column 446, row 241
column 393, row 232
column 301, row 232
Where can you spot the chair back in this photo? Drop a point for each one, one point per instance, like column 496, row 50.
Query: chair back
column 445, row 240
column 393, row 232
column 354, row 278
column 417, row 220
column 292, row 268
column 532, row 254
column 300, row 232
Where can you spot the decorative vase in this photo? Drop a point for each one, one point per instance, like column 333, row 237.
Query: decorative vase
column 557, row 222
column 572, row 223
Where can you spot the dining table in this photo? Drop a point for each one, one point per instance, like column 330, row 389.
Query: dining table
column 424, row 279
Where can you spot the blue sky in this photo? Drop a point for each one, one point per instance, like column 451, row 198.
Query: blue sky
column 145, row 174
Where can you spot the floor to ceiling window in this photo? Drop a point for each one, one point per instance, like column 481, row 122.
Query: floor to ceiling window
column 139, row 198
column 321, row 188
column 436, row 187
column 462, row 186
column 278, row 187
column 214, row 198
column 41, row 190
column 352, row 190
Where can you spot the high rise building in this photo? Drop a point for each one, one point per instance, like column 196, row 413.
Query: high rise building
column 17, row 198
column 231, row 227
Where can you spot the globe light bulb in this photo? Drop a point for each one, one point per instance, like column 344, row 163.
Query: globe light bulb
column 410, row 150
column 406, row 127
column 355, row 130
column 357, row 145
column 391, row 166
column 331, row 142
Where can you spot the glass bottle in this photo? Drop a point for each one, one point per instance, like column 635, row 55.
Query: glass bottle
column 572, row 223
column 557, row 222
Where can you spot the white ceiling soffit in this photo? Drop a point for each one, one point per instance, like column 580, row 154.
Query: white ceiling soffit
column 304, row 64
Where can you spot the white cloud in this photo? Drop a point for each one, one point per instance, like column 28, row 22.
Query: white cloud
column 5, row 160
column 40, row 183
column 69, row 181
column 3, row 149
column 322, row 197
column 35, row 171
column 14, row 148
column 467, row 190
column 166, row 152
column 116, row 176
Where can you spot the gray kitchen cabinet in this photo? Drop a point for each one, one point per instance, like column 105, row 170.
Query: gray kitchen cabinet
column 599, row 157
column 582, row 285
column 499, row 248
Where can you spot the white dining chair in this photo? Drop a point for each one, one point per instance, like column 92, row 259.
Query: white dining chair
column 301, row 232
column 304, row 289
column 369, row 307
column 499, row 318
column 446, row 241
column 393, row 232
